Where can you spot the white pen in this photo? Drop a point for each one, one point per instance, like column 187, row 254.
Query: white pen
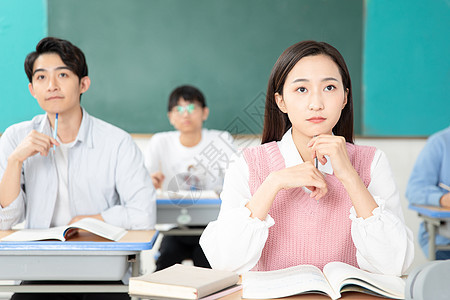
column 444, row 186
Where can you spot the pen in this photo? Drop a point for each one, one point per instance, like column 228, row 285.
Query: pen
column 444, row 186
column 55, row 130
column 317, row 161
column 317, row 167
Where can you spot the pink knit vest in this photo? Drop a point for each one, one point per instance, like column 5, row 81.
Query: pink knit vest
column 307, row 232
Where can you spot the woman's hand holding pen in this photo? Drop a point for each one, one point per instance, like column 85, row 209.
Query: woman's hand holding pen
column 35, row 142
column 302, row 175
column 335, row 148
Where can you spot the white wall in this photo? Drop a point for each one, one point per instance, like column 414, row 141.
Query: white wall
column 402, row 154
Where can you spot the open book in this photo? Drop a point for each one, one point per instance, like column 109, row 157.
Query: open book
column 184, row 282
column 337, row 277
column 61, row 233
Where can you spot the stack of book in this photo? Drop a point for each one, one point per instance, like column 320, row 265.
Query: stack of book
column 184, row 282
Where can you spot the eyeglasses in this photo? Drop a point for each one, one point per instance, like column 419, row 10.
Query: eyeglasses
column 189, row 108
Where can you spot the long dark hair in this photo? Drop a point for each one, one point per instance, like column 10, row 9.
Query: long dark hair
column 276, row 123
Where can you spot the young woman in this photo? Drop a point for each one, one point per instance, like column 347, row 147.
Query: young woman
column 308, row 195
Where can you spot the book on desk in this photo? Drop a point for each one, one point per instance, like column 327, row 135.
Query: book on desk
column 336, row 278
column 184, row 282
column 63, row 233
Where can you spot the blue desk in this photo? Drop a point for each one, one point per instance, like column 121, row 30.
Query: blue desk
column 85, row 257
column 186, row 214
column 435, row 219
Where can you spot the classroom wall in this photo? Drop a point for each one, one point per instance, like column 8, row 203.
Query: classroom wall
column 22, row 24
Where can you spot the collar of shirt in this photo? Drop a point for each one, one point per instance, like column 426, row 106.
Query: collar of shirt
column 83, row 132
column 292, row 157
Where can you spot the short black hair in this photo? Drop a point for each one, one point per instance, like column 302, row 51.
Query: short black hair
column 70, row 54
column 188, row 93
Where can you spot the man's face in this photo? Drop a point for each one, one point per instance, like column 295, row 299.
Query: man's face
column 56, row 88
column 188, row 117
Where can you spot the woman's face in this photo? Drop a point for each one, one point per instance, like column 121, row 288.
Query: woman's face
column 313, row 96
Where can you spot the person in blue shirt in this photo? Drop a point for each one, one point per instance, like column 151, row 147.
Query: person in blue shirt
column 88, row 169
column 426, row 185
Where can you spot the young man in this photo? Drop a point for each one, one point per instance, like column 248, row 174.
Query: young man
column 190, row 158
column 91, row 169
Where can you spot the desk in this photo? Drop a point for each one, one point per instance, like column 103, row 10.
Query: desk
column 85, row 257
column 186, row 213
column 345, row 296
column 435, row 218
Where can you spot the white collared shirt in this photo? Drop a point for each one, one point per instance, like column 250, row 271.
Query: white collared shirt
column 235, row 241
column 105, row 174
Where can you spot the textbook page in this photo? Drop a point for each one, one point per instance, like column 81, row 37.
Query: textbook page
column 95, row 226
column 99, row 228
column 286, row 282
column 341, row 274
column 54, row 233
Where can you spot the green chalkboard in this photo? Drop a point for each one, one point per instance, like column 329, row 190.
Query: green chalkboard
column 139, row 50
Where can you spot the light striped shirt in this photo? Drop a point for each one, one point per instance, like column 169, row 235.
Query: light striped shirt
column 105, row 173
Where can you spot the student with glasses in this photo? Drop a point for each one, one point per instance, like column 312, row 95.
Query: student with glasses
column 189, row 158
